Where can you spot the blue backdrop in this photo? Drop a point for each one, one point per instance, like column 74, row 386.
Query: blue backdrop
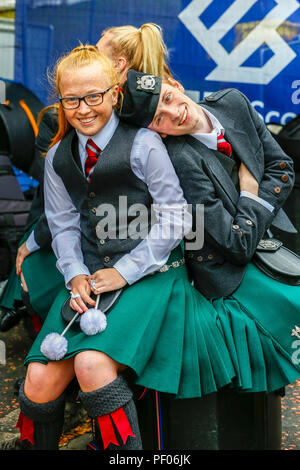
column 252, row 45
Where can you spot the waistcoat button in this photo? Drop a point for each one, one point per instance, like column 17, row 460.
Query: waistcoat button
column 94, row 210
column 92, row 194
column 106, row 259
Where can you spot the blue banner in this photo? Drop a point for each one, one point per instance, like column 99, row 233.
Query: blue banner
column 252, row 45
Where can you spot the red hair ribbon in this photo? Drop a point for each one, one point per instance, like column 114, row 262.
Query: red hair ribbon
column 26, row 427
column 107, row 430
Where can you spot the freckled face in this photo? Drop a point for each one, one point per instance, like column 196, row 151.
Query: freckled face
column 86, row 80
column 177, row 114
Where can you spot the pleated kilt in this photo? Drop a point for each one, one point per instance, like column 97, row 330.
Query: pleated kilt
column 178, row 342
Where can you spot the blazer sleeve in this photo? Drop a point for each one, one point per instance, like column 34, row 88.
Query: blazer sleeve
column 236, row 236
column 234, row 231
column 279, row 176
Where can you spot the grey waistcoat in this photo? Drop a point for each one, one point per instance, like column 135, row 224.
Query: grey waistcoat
column 105, row 239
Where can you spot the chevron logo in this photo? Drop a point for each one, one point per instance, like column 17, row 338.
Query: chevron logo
column 229, row 66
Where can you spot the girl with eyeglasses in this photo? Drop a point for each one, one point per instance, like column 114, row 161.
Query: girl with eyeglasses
column 128, row 47
column 160, row 328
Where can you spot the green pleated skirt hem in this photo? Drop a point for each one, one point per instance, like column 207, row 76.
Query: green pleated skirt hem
column 257, row 322
column 161, row 328
column 178, row 342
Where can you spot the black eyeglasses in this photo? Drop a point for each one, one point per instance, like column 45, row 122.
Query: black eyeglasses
column 92, row 99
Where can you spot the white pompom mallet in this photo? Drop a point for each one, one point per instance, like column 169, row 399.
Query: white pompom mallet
column 93, row 321
column 55, row 345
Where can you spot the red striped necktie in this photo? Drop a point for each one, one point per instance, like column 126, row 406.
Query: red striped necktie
column 93, row 153
column 223, row 146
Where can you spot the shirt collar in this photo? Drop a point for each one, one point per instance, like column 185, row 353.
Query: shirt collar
column 210, row 139
column 102, row 137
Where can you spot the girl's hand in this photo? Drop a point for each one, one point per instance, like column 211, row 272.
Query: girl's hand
column 81, row 288
column 23, row 252
column 106, row 280
column 247, row 180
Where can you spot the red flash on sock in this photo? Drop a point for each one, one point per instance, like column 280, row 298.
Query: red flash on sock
column 26, row 427
column 123, row 426
column 107, row 430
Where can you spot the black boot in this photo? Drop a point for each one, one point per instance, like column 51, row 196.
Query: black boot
column 41, row 423
column 10, row 318
column 112, row 408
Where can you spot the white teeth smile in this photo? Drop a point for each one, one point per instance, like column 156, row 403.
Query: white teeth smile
column 183, row 117
column 86, row 121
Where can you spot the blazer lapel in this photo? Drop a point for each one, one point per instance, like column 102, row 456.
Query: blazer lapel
column 216, row 168
column 239, row 141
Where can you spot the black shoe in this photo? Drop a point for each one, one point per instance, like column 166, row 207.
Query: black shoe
column 10, row 318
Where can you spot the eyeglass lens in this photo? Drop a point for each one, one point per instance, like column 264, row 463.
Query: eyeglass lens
column 93, row 99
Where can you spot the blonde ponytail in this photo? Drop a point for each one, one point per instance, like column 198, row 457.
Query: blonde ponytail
column 143, row 47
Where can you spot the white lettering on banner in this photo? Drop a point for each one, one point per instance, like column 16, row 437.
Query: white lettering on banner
column 271, row 116
column 229, row 65
column 295, row 95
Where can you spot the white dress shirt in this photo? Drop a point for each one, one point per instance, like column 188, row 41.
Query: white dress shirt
column 150, row 162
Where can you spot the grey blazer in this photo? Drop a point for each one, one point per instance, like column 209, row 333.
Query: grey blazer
column 233, row 225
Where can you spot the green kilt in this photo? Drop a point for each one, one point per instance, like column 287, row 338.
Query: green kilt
column 160, row 327
column 43, row 281
column 257, row 321
column 13, row 289
column 178, row 342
